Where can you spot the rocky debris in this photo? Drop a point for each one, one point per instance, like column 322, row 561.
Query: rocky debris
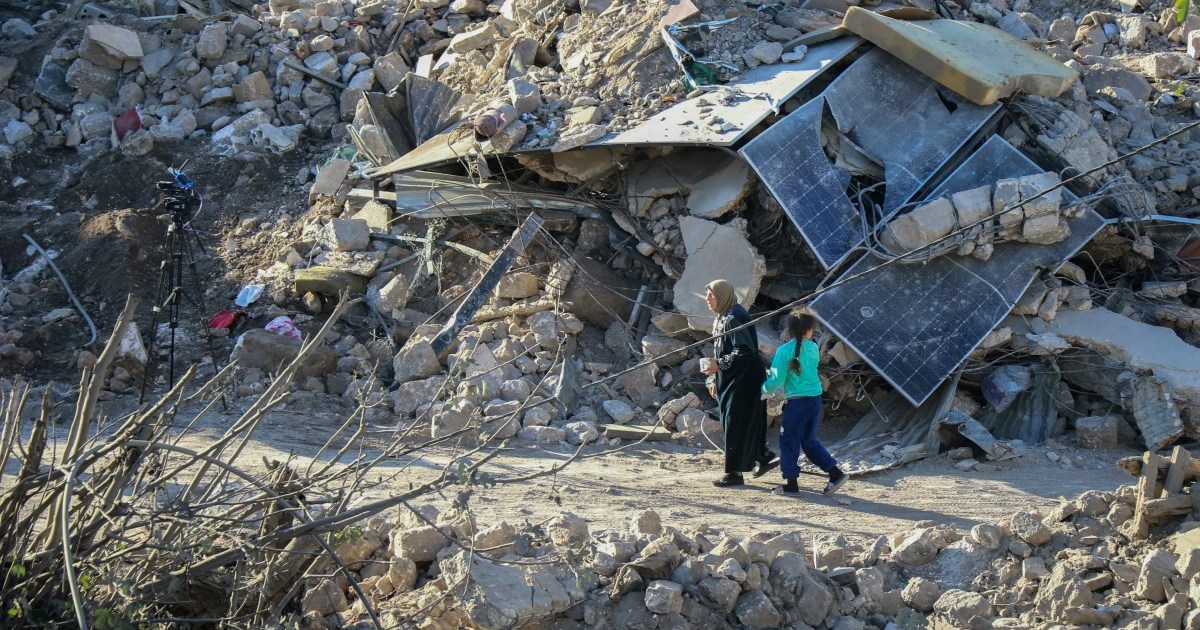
column 1081, row 563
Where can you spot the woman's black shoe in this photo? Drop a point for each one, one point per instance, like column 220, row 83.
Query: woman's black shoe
column 766, row 466
column 729, row 480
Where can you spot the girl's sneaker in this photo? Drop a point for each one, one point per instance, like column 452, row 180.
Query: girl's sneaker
column 837, row 479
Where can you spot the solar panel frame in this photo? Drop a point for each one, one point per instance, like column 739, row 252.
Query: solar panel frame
column 943, row 309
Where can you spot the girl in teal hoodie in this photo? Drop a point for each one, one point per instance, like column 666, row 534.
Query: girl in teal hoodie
column 794, row 369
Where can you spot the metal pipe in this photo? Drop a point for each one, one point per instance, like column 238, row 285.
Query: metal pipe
column 70, row 294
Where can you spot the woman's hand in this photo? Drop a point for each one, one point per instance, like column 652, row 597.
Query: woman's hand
column 708, row 366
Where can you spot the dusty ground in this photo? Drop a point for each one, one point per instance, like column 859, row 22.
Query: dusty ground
column 607, row 486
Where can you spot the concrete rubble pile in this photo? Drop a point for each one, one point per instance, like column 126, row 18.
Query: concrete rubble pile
column 1081, row 563
column 297, row 76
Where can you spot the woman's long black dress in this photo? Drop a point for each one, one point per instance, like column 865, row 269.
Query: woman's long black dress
column 739, row 393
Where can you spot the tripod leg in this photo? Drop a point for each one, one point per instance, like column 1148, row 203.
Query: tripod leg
column 164, row 273
column 198, row 301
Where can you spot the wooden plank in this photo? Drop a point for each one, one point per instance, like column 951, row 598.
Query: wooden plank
column 1147, row 489
column 1133, row 466
column 1177, row 505
column 1176, row 471
column 636, row 432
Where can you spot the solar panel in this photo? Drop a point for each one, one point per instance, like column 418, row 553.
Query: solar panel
column 789, row 159
column 900, row 117
column 915, row 323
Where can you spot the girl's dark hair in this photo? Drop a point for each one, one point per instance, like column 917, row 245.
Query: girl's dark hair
column 799, row 322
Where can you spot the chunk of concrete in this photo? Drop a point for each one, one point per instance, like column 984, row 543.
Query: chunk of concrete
column 89, row 78
column 720, row 190
column 350, row 235
column 980, row 62
column 517, row 286
column 213, row 41
column 663, row 597
column 329, row 179
column 1098, row 432
column 920, row 227
column 648, row 180
column 1143, row 347
column 1165, row 65
column 254, row 87
column 504, row 595
column 270, row 353
column 109, row 46
column 474, row 39
column 390, row 70
column 414, row 361
column 525, row 96
column 713, row 181
column 715, row 251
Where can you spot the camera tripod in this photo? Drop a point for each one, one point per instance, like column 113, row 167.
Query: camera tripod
column 179, row 197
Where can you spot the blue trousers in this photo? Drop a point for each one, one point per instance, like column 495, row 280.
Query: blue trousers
column 799, row 432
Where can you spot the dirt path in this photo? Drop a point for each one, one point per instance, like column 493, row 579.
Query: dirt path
column 607, row 488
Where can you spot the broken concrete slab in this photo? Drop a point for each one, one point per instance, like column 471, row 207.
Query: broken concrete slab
column 648, row 180
column 329, row 179
column 1140, row 345
column 349, row 235
column 109, row 46
column 505, row 595
column 980, row 62
column 327, row 281
column 720, row 190
column 715, row 251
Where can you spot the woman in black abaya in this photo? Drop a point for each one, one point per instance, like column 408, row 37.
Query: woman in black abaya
column 735, row 380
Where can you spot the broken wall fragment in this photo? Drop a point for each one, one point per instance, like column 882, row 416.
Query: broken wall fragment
column 715, row 251
column 979, row 62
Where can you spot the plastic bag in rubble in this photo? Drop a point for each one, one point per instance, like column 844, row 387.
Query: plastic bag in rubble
column 1001, row 387
column 249, row 294
column 283, row 325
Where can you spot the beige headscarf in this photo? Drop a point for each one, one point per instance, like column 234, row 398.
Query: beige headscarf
column 723, row 291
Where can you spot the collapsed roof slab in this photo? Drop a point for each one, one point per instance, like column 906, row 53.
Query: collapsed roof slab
column 1139, row 345
column 715, row 251
column 977, row 61
column 896, row 115
column 742, row 104
column 915, row 323
column 739, row 103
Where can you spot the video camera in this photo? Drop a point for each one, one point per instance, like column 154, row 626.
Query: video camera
column 179, row 194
